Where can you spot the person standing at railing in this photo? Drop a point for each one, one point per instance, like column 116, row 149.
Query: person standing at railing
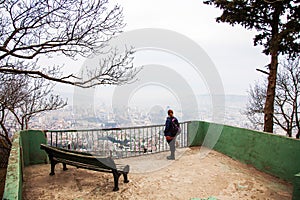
column 172, row 129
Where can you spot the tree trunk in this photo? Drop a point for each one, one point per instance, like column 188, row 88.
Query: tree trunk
column 269, row 104
column 289, row 133
column 297, row 123
column 296, row 114
column 6, row 133
column 274, row 48
column 2, row 125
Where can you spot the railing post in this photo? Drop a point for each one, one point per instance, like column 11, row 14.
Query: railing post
column 56, row 139
column 51, row 135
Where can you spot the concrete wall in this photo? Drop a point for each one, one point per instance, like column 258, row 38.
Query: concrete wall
column 31, row 140
column 25, row 151
column 296, row 192
column 13, row 182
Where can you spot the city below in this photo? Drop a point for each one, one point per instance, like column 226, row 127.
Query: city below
column 103, row 116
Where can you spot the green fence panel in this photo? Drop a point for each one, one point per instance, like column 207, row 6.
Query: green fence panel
column 31, row 141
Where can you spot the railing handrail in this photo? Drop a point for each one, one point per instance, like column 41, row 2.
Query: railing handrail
column 109, row 129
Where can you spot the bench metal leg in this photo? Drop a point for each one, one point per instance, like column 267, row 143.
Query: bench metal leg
column 125, row 178
column 116, row 180
column 65, row 167
column 53, row 163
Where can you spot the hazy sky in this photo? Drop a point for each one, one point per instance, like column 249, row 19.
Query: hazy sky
column 230, row 48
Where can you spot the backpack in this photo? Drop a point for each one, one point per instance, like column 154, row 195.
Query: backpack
column 174, row 128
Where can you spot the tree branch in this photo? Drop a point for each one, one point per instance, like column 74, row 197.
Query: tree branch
column 262, row 71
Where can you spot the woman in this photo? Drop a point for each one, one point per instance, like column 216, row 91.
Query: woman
column 171, row 130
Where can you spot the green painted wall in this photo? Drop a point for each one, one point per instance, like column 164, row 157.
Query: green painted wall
column 25, row 151
column 31, row 140
column 274, row 154
column 13, row 182
column 196, row 133
column 296, row 192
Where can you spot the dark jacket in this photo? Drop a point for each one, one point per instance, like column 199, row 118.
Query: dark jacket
column 167, row 130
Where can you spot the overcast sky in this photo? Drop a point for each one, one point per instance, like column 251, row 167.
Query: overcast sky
column 230, row 48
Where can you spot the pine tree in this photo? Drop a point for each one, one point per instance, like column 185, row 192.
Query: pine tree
column 277, row 24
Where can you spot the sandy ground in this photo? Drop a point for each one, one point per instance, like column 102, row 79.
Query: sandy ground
column 154, row 177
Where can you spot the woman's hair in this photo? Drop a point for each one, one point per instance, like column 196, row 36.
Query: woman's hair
column 170, row 111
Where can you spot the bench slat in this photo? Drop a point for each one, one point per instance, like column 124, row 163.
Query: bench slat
column 82, row 165
column 104, row 162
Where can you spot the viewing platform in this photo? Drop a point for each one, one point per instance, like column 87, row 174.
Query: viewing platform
column 154, row 177
column 242, row 164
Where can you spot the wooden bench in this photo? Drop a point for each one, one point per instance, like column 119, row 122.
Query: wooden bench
column 86, row 161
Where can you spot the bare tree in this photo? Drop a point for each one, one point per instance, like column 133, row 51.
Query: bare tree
column 289, row 88
column 255, row 106
column 277, row 28
column 29, row 29
column 23, row 97
column 287, row 109
column 286, row 101
column 11, row 94
column 39, row 99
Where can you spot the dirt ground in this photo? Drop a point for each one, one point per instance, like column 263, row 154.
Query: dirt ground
column 153, row 177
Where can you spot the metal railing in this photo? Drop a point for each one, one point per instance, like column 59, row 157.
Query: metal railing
column 116, row 142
